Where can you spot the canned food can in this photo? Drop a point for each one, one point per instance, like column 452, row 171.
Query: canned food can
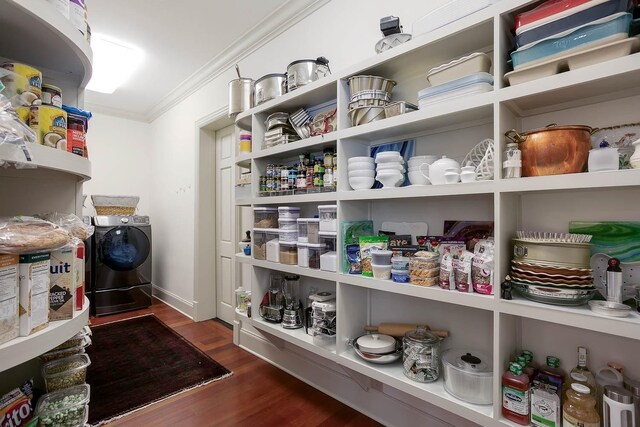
column 33, row 76
column 50, row 125
column 51, row 95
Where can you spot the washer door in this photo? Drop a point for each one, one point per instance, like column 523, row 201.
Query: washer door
column 124, row 248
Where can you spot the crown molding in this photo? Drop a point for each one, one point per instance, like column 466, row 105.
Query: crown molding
column 274, row 24
column 116, row 112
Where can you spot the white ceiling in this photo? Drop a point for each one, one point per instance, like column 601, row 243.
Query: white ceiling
column 181, row 41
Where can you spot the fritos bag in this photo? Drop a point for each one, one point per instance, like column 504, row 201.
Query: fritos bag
column 16, row 407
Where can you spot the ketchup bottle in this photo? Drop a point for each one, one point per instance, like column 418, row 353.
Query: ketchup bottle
column 515, row 395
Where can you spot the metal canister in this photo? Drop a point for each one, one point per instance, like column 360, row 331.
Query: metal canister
column 421, row 355
column 51, row 95
column 240, row 96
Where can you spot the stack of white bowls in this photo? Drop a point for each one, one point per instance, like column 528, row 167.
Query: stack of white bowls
column 361, row 172
column 390, row 169
column 419, row 169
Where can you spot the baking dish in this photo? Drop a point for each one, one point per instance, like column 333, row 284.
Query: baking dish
column 548, row 253
column 475, row 83
column 546, row 10
column 468, row 375
column 606, row 30
column 579, row 16
column 477, row 62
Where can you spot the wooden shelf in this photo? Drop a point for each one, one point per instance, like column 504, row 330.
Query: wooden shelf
column 46, row 39
column 22, row 349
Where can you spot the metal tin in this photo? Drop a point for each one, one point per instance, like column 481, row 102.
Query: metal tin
column 51, row 95
column 269, row 87
column 305, row 71
column 548, row 253
column 240, row 96
column 421, row 357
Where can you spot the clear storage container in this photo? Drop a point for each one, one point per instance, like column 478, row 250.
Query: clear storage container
column 288, row 224
column 61, row 353
column 288, row 212
column 67, row 372
column 315, row 251
column 328, row 238
column 265, row 217
column 288, row 253
column 313, row 228
column 260, row 238
column 303, row 255
column 302, row 229
column 68, row 407
column 288, row 236
column 328, row 217
column 243, row 297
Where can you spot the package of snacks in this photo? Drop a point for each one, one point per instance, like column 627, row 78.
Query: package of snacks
column 447, row 280
column 462, row 271
column 9, row 297
column 353, row 258
column 482, row 267
column 367, row 244
column 16, row 407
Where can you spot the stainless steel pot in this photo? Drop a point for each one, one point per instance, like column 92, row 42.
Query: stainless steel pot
column 305, row 71
column 378, row 358
column 269, row 87
column 240, row 94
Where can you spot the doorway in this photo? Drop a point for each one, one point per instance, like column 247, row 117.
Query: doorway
column 214, row 218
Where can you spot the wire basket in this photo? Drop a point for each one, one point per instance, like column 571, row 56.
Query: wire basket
column 481, row 157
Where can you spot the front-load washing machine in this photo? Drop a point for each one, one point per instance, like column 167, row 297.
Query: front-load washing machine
column 122, row 254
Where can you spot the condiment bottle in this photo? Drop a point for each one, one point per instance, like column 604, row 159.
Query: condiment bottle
column 580, row 408
column 512, row 161
column 583, row 374
column 614, row 281
column 515, row 395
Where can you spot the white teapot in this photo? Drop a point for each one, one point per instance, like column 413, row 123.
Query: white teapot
column 438, row 168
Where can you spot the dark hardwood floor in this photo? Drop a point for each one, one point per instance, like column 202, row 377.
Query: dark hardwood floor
column 257, row 394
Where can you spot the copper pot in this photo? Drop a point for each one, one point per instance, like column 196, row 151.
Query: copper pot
column 553, row 150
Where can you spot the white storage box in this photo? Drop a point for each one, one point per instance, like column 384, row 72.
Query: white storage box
column 329, row 261
column 303, row 255
column 265, row 217
column 328, row 217
column 273, row 250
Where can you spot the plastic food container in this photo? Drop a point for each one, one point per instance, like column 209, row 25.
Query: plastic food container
column 288, row 212
column 328, row 238
column 462, row 67
column 400, row 276
column 381, row 271
column 400, row 263
column 611, row 28
column 475, row 83
column 302, row 229
column 67, row 372
column 68, row 407
column 427, row 261
column 273, row 250
column 468, row 375
column 328, row 217
column 61, row 353
column 265, row 217
column 243, row 297
column 303, row 255
column 424, row 281
column 381, row 257
column 315, row 251
column 288, row 224
column 422, row 272
column 289, row 253
column 329, row 261
column 566, row 20
column 289, row 236
column 260, row 238
column 313, row 230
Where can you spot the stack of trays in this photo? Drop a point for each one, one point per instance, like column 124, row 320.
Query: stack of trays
column 570, row 34
column 278, row 131
column 553, row 269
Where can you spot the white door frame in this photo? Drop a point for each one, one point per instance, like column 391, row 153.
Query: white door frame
column 204, row 232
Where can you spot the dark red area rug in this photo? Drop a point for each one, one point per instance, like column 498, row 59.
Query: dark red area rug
column 139, row 361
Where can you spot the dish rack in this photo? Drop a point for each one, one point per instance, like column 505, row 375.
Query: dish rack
column 115, row 205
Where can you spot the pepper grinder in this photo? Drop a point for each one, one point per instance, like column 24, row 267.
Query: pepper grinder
column 614, row 281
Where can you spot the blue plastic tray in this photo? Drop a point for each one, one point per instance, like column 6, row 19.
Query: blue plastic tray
column 456, row 84
column 586, row 36
column 578, row 19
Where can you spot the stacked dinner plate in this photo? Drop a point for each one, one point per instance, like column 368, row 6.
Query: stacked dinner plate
column 553, row 268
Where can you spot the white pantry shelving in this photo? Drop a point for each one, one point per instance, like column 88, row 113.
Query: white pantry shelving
column 33, row 32
column 600, row 95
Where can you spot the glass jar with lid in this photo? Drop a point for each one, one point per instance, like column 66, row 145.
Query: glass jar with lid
column 421, row 355
column 512, row 161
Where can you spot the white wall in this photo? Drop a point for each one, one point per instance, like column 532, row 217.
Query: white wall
column 120, row 161
column 344, row 32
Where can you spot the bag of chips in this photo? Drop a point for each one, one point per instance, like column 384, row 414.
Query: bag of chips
column 16, row 407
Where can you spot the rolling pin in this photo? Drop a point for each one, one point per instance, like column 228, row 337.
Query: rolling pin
column 399, row 329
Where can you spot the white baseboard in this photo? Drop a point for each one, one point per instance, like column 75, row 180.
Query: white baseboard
column 391, row 409
column 174, row 301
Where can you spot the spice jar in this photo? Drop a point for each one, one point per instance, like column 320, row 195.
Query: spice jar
column 512, row 161
column 421, row 355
